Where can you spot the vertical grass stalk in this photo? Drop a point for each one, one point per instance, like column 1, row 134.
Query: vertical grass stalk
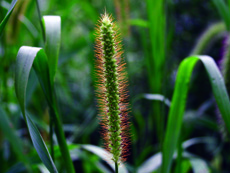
column 111, row 89
column 156, row 60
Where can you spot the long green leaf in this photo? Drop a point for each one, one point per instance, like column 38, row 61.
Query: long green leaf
column 6, row 18
column 52, row 25
column 26, row 58
column 206, row 38
column 223, row 11
column 179, row 101
column 155, row 62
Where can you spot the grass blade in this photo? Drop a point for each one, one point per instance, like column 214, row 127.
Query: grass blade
column 25, row 59
column 52, row 26
column 156, row 60
column 223, row 11
column 6, row 18
column 179, row 101
column 52, row 29
column 199, row 165
column 105, row 155
column 207, row 37
column 154, row 162
column 40, row 19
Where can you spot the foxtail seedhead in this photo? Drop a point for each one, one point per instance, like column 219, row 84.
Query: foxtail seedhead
column 111, row 88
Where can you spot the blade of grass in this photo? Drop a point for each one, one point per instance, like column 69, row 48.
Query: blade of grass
column 156, row 59
column 25, row 59
column 208, row 35
column 223, row 11
column 177, row 108
column 154, row 162
column 105, row 155
column 52, row 27
column 158, row 97
column 198, row 165
column 6, row 18
column 40, row 19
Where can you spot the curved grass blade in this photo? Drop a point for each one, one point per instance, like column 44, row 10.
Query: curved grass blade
column 6, row 18
column 154, row 162
column 155, row 97
column 158, row 97
column 105, row 155
column 199, row 165
column 40, row 64
column 207, row 36
column 179, row 101
column 52, row 27
column 26, row 58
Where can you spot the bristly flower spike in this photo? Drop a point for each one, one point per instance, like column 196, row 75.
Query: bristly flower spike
column 111, row 89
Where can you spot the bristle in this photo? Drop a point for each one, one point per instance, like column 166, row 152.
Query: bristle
column 107, row 33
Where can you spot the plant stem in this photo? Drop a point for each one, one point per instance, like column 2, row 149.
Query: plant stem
column 60, row 133
column 40, row 20
column 116, row 167
column 179, row 155
column 51, row 136
column 62, row 141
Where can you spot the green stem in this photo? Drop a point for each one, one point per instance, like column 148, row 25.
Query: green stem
column 51, row 136
column 116, row 167
column 179, row 155
column 60, row 133
column 62, row 141
column 40, row 20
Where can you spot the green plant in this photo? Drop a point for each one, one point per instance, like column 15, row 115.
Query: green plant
column 45, row 65
column 155, row 60
column 64, row 92
column 179, row 100
column 111, row 89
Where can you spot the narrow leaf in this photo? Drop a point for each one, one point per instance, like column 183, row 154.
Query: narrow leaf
column 105, row 155
column 27, row 56
column 6, row 18
column 52, row 25
column 199, row 165
column 223, row 11
column 158, row 97
column 179, row 101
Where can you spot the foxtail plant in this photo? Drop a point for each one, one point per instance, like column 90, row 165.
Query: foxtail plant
column 111, row 89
